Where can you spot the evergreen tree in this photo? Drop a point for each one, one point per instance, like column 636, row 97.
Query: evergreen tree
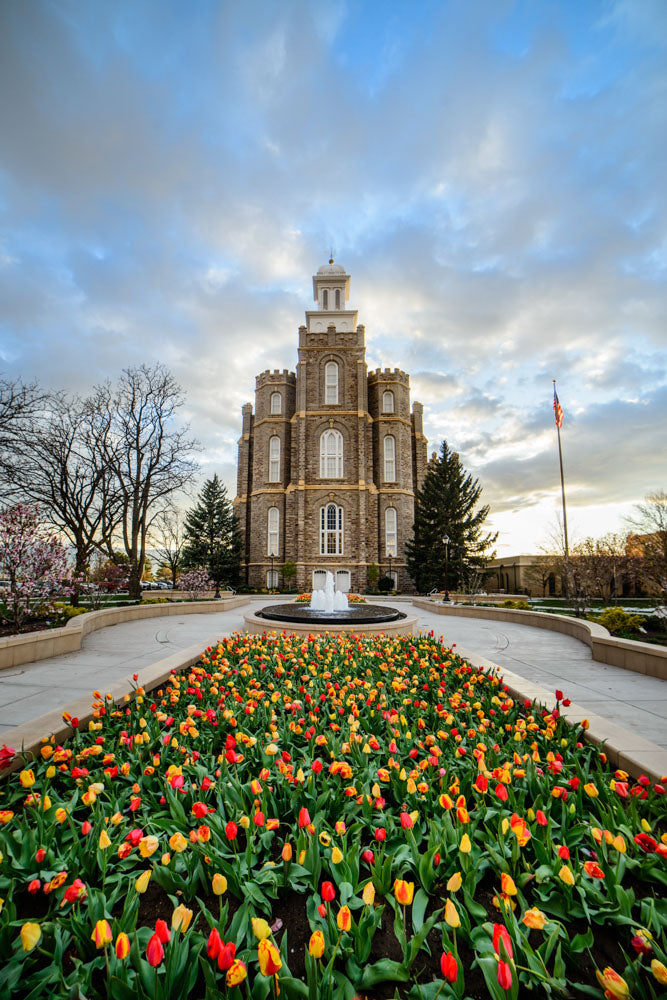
column 445, row 507
column 212, row 537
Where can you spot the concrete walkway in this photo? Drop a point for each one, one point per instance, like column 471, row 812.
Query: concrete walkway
column 540, row 658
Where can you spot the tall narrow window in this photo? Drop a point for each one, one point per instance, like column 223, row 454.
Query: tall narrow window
column 388, row 401
column 276, row 403
column 331, row 455
column 274, row 459
column 389, row 459
column 331, row 382
column 273, row 532
column 338, row 298
column 390, row 539
column 325, row 299
column 272, row 579
column 331, row 530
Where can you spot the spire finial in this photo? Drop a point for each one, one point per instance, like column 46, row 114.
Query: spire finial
column 331, row 256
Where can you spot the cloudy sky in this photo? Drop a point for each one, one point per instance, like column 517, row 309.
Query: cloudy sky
column 491, row 173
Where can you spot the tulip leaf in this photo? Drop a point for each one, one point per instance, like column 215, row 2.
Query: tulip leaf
column 386, row 970
column 120, row 990
column 419, row 909
column 580, row 942
column 293, row 987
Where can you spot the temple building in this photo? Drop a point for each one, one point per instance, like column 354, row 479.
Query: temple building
column 331, row 458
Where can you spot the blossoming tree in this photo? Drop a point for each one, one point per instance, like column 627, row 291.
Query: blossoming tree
column 33, row 563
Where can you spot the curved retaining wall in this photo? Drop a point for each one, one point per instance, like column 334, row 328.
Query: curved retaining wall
column 641, row 657
column 33, row 646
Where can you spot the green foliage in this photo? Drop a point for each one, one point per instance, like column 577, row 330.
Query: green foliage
column 615, row 620
column 289, row 571
column 385, row 584
column 156, row 600
column 446, row 506
column 212, row 536
column 517, row 605
column 373, row 574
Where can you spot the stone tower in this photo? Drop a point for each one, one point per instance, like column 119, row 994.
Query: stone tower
column 331, row 458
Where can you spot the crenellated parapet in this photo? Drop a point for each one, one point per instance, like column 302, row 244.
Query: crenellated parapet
column 389, row 375
column 275, row 377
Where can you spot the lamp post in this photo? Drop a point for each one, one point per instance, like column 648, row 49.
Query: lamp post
column 446, row 540
column 272, row 556
column 390, row 576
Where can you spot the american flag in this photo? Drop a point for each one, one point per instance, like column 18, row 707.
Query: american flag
column 558, row 410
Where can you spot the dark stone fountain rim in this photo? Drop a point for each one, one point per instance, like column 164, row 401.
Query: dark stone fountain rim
column 358, row 614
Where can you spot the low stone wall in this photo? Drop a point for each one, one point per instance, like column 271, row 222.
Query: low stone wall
column 34, row 646
column 641, row 657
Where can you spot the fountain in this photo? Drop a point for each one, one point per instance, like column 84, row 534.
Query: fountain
column 328, row 608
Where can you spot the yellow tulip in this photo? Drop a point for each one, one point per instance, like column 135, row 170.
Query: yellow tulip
column 659, row 971
column 454, row 883
column 104, row 841
column 181, row 918
column 368, row 894
column 219, row 884
column 236, row 973
column 30, row 936
column 614, row 985
column 565, row 875
column 451, row 914
column 148, row 846
column 270, row 961
column 507, row 884
column 141, row 883
column 344, row 918
column 27, row 779
column 260, row 928
column 465, row 846
column 404, row 891
column 336, row 856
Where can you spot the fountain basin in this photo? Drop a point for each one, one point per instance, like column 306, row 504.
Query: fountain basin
column 302, row 620
column 360, row 614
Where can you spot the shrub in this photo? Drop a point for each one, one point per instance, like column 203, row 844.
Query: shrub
column 156, row 600
column 616, row 620
column 385, row 584
column 517, row 605
column 68, row 611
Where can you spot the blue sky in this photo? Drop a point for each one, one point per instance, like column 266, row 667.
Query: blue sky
column 492, row 174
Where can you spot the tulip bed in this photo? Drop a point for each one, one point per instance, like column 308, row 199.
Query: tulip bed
column 330, row 817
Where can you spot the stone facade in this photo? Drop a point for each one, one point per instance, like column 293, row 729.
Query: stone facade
column 326, row 453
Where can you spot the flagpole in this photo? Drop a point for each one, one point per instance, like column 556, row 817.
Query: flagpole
column 562, row 490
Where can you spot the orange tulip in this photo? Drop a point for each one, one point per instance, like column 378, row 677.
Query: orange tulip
column 507, row 884
column 270, row 961
column 236, row 973
column 344, row 918
column 404, row 891
column 102, row 935
column 122, row 945
column 316, row 944
column 615, row 986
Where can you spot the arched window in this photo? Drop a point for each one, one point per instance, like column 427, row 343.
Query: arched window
column 331, row 455
column 331, row 530
column 338, row 298
column 390, row 539
column 389, row 459
column 276, row 403
column 273, row 531
column 274, row 459
column 272, row 579
column 331, row 382
column 388, row 401
column 325, row 299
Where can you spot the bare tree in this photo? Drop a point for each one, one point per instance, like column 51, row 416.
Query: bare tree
column 169, row 542
column 149, row 458
column 64, row 467
column 19, row 406
column 601, row 565
column 648, row 540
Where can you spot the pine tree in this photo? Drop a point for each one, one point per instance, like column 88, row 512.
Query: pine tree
column 445, row 507
column 212, row 537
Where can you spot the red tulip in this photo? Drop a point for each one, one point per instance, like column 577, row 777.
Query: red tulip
column 559, row 695
column 407, row 821
column 231, row 831
column 368, row 857
column 154, row 951
column 646, row 843
column 226, row 956
column 214, row 944
column 449, row 966
column 304, row 818
column 40, row 854
column 200, row 809
column 541, row 818
column 500, row 934
column 162, row 931
column 380, row 834
column 328, row 892
column 34, row 886
column 504, row 975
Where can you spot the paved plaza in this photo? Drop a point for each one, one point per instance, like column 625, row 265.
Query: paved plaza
column 636, row 702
